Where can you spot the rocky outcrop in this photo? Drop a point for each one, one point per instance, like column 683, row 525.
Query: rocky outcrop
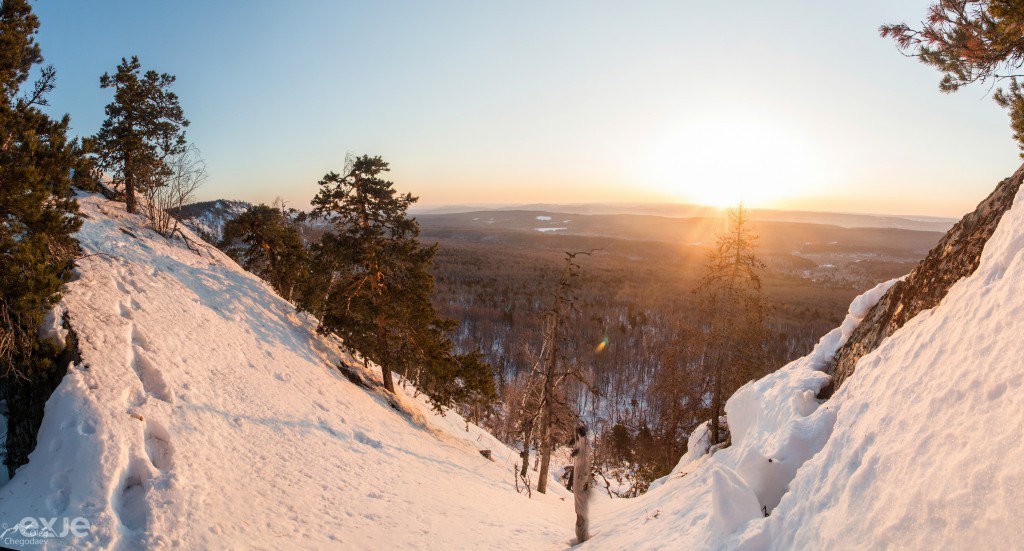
column 955, row 257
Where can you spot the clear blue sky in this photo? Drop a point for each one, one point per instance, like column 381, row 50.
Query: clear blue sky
column 569, row 101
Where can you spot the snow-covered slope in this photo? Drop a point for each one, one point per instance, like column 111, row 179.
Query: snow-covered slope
column 920, row 449
column 208, row 415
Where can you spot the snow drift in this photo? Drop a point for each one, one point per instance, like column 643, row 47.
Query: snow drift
column 207, row 414
column 919, row 449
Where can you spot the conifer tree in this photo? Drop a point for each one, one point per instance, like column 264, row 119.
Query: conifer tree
column 370, row 284
column 38, row 214
column 144, row 128
column 263, row 241
column 972, row 41
column 734, row 331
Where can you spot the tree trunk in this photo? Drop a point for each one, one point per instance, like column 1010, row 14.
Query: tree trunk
column 548, row 418
column 129, row 186
column 385, row 370
column 527, row 436
column 716, row 405
column 545, row 456
column 581, row 484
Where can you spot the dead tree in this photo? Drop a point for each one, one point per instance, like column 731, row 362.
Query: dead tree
column 530, row 406
column 551, row 376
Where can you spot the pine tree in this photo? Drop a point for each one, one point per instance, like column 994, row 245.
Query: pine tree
column 477, row 390
column 972, row 41
column 144, row 128
column 370, row 284
column 263, row 241
column 734, row 332
column 38, row 214
column 370, row 261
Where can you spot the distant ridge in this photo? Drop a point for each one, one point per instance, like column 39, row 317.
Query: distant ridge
column 846, row 220
column 207, row 218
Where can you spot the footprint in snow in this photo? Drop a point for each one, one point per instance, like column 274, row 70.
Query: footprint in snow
column 86, row 427
column 362, row 438
column 158, row 446
column 152, row 379
column 57, row 502
column 328, row 428
column 139, row 339
column 130, row 503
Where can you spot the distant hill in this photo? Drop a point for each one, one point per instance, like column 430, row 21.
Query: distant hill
column 846, row 220
column 775, row 235
column 207, row 218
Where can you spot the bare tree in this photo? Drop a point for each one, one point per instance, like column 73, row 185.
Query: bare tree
column 186, row 172
column 548, row 376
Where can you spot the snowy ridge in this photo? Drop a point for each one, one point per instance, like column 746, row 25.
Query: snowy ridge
column 919, row 450
column 208, row 219
column 207, row 414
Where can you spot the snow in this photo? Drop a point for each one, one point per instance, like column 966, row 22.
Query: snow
column 919, row 449
column 926, row 448
column 52, row 328
column 543, row 230
column 733, row 503
column 544, row 218
column 207, row 414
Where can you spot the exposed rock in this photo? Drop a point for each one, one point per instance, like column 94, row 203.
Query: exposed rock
column 955, row 257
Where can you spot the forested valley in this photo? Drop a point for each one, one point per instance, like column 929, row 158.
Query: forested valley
column 636, row 354
column 635, row 331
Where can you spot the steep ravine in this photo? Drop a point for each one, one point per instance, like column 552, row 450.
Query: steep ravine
column 955, row 257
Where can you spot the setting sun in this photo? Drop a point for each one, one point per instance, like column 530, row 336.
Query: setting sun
column 723, row 162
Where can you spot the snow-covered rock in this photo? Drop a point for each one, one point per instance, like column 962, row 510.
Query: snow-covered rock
column 207, row 219
column 955, row 257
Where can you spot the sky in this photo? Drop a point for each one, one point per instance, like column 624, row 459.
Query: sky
column 786, row 104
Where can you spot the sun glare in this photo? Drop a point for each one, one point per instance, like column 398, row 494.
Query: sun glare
column 724, row 162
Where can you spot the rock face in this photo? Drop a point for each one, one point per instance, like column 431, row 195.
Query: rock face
column 955, row 257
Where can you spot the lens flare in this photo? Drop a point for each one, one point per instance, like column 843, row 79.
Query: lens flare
column 602, row 345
